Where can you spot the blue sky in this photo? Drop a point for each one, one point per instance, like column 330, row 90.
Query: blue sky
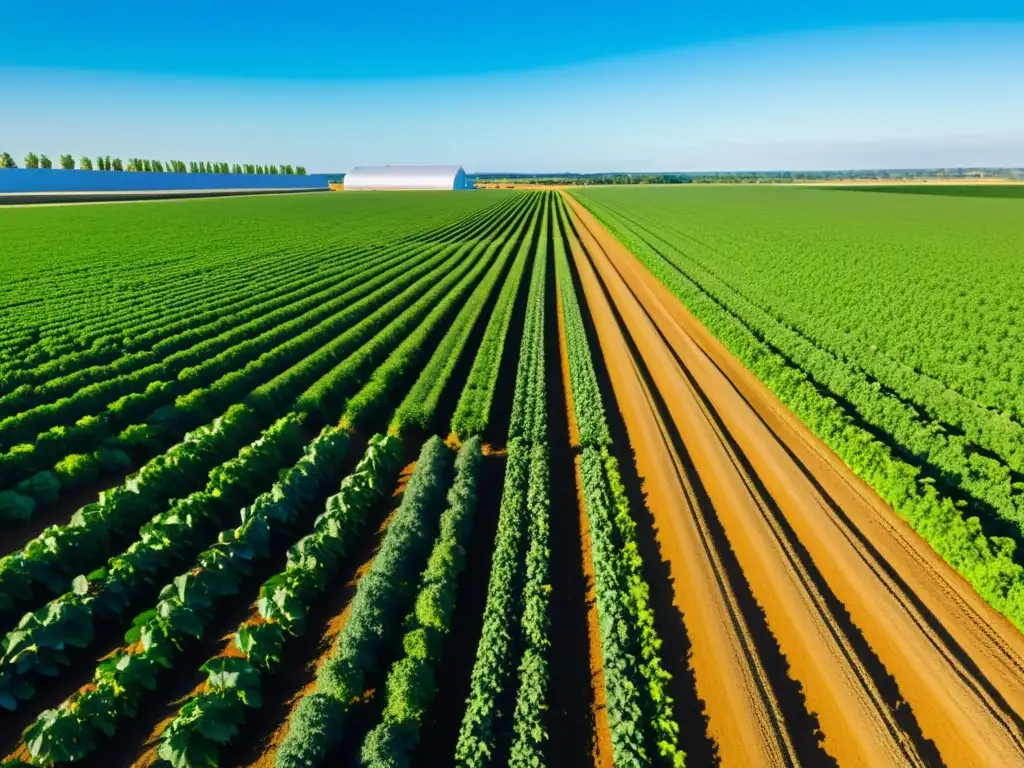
column 526, row 86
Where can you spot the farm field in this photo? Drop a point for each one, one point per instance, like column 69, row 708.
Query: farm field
column 601, row 477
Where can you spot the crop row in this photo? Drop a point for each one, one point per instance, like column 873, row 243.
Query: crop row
column 38, row 644
column 473, row 411
column 257, row 334
column 60, row 552
column 986, row 561
column 89, row 533
column 415, row 335
column 162, row 256
column 188, row 312
column 406, row 360
column 640, row 711
column 212, row 716
column 412, row 681
column 940, row 451
column 183, row 610
column 383, row 598
column 512, row 651
column 360, row 317
column 419, row 405
column 200, row 313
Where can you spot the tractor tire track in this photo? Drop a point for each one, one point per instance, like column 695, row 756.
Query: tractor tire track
column 901, row 660
column 745, row 718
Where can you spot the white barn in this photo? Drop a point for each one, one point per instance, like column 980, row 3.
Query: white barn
column 407, row 177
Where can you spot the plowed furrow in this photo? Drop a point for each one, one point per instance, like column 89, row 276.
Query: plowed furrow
column 746, row 720
column 902, row 662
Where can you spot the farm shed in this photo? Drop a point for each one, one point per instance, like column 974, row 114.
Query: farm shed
column 407, row 177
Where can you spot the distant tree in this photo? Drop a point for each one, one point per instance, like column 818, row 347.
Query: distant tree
column 107, row 165
column 45, row 162
column 147, row 165
column 99, row 164
column 300, row 171
column 85, row 163
column 117, row 165
column 6, row 161
column 31, row 160
column 67, row 162
column 158, row 167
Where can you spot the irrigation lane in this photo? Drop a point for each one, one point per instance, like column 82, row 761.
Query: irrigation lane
column 35, row 199
column 897, row 656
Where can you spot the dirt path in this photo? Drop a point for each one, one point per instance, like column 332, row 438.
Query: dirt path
column 745, row 719
column 899, row 658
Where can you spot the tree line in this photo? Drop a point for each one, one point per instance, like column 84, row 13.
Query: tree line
column 107, row 163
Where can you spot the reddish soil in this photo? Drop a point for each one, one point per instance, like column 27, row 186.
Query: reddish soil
column 899, row 659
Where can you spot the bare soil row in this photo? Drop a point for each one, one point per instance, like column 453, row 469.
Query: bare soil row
column 786, row 567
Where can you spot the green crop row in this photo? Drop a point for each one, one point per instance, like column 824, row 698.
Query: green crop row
column 512, row 651
column 187, row 313
column 383, row 598
column 211, row 717
column 419, row 405
column 37, row 645
column 67, row 265
column 640, row 711
column 412, row 683
column 940, row 451
column 327, row 397
column 528, row 431
column 212, row 383
column 61, row 552
column 184, row 609
column 405, row 361
column 474, row 408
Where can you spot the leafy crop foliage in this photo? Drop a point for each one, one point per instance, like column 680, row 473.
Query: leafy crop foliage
column 183, row 610
column 640, row 712
column 412, row 683
column 122, row 367
column 383, row 598
column 885, row 322
column 211, row 718
column 472, row 414
column 37, row 645
column 512, row 652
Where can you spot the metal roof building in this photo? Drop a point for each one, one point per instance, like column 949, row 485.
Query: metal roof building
column 406, row 177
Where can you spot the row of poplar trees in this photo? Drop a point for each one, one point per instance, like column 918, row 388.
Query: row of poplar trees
column 107, row 163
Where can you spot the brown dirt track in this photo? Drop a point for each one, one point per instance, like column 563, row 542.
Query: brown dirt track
column 899, row 661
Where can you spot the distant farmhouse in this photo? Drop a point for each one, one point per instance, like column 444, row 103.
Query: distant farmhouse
column 407, row 177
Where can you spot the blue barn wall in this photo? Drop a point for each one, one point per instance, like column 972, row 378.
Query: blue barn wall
column 14, row 180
